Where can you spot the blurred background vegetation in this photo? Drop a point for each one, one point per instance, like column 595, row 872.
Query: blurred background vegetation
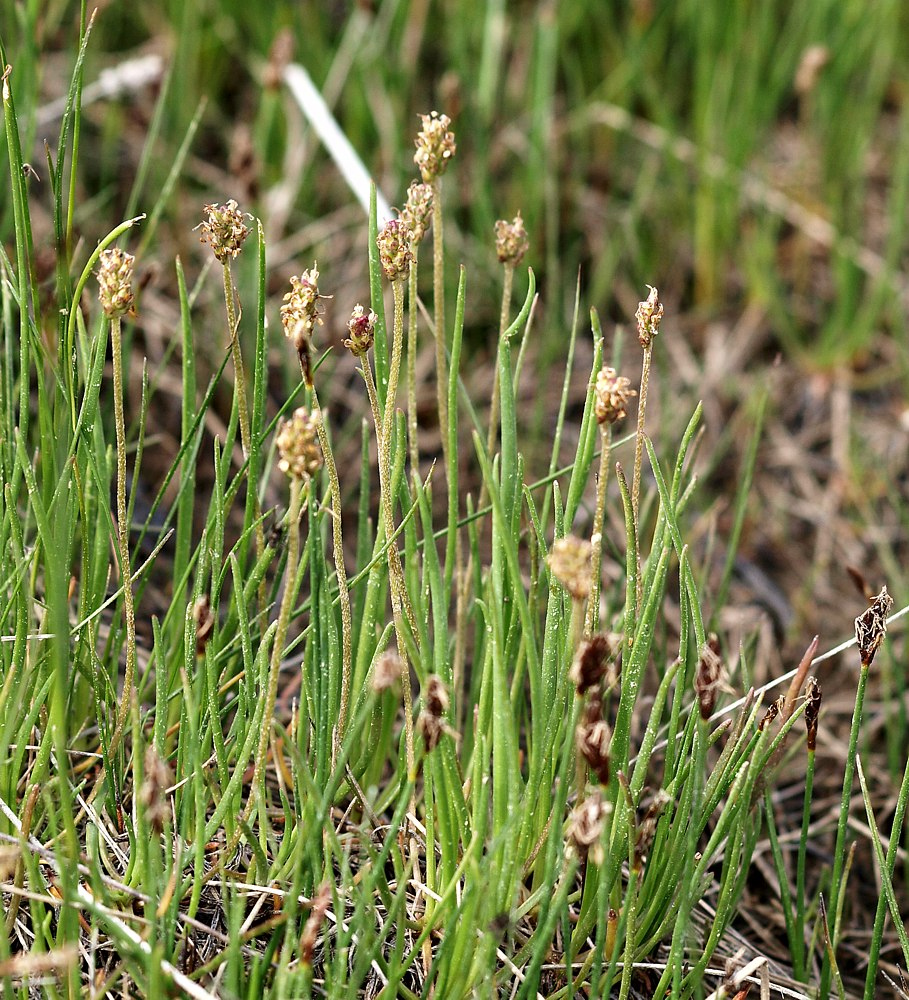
column 751, row 160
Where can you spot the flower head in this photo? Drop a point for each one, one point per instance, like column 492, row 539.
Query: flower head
column 435, row 146
column 511, row 241
column 612, row 395
column 593, row 738
column 648, row 316
column 387, row 671
column 871, row 626
column 362, row 329
column 115, row 278
column 301, row 314
column 431, row 724
column 569, row 562
column 585, row 826
column 591, row 662
column 417, row 211
column 224, row 230
column 395, row 254
column 298, row 445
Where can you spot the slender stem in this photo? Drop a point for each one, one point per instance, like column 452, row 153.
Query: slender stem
column 341, row 571
column 277, row 650
column 129, row 613
column 233, row 324
column 507, row 284
column 592, row 622
column 639, row 444
column 798, row 960
column 438, row 294
column 412, row 429
column 395, row 573
column 638, row 456
column 833, row 907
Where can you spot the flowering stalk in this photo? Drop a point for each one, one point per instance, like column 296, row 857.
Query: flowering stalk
column 395, row 254
column 300, row 315
column 225, row 232
column 612, row 394
column 415, row 217
column 300, row 460
column 812, row 712
column 511, row 245
column 435, row 147
column 648, row 316
column 115, row 275
column 870, row 629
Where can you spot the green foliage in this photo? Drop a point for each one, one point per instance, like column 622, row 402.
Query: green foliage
column 254, row 814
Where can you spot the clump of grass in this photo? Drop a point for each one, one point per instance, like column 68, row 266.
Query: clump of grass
column 571, row 819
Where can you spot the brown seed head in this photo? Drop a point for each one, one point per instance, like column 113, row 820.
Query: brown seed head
column 395, row 254
column 430, row 723
column 435, row 146
column 648, row 316
column 812, row 710
column 152, row 795
column 585, row 826
column 362, row 329
column 417, row 211
column 298, row 445
column 591, row 661
column 612, row 394
column 871, row 626
column 512, row 241
column 115, row 281
column 387, row 671
column 569, row 562
column 593, row 738
column 224, row 230
column 708, row 677
column 772, row 712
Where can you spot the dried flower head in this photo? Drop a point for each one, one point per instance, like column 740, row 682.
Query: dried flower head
column 387, row 671
column 591, row 662
column 301, row 314
column 585, row 826
column 648, row 316
column 593, row 738
column 430, row 723
column 511, row 241
column 224, row 230
column 772, row 712
column 708, row 677
column 152, row 795
column 204, row 621
column 417, row 211
column 395, row 254
column 646, row 827
column 569, row 562
column 318, row 908
column 612, row 395
column 871, row 626
column 115, row 281
column 809, row 69
column 812, row 710
column 298, row 445
column 362, row 329
column 435, row 146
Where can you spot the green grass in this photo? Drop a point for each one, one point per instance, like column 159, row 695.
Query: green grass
column 203, row 789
